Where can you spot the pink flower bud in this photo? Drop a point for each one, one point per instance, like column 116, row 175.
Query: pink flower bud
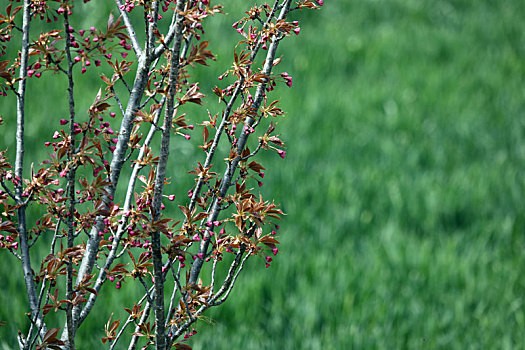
column 64, row 121
column 288, row 79
column 56, row 135
column 281, row 153
column 297, row 31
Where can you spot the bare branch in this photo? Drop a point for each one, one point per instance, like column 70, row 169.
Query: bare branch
column 160, row 178
column 71, row 327
column 19, row 167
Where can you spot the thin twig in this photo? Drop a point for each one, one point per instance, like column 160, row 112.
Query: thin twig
column 121, row 331
column 176, row 288
column 130, row 28
column 117, row 99
column 7, row 190
column 231, row 283
column 145, row 314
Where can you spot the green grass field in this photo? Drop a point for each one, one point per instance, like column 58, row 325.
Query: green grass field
column 403, row 185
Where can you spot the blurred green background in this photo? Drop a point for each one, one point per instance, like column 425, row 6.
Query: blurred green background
column 403, row 185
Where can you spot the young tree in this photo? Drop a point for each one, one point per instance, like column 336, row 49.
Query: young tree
column 103, row 191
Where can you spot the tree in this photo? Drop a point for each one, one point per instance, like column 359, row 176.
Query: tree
column 103, row 192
